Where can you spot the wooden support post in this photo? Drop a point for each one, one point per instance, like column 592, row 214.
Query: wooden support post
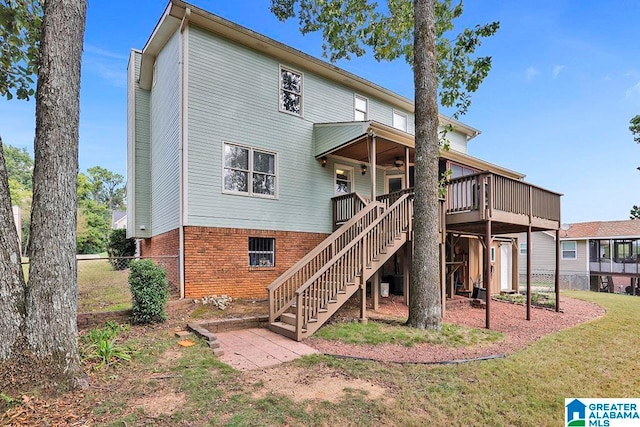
column 443, row 277
column 487, row 273
column 406, row 270
column 557, row 270
column 372, row 166
column 375, row 291
column 363, row 302
column 529, row 273
column 406, row 167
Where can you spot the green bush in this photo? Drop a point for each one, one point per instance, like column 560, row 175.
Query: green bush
column 148, row 283
column 119, row 246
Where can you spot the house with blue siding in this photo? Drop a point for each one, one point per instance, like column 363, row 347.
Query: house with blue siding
column 263, row 169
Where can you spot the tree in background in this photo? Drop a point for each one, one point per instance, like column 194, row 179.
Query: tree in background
column 20, row 172
column 443, row 66
column 38, row 330
column 106, row 187
column 635, row 131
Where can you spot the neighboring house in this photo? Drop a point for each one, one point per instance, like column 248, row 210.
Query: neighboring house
column 244, row 155
column 592, row 254
column 118, row 219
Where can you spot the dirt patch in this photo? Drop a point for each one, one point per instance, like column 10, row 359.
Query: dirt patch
column 301, row 384
column 505, row 317
column 164, row 403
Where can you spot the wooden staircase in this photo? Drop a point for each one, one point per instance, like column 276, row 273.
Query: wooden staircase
column 311, row 291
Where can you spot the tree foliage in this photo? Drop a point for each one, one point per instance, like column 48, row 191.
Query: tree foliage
column 106, row 187
column 635, row 212
column 20, row 23
column 19, row 165
column 634, row 127
column 352, row 27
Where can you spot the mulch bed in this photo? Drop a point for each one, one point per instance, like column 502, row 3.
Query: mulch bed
column 507, row 318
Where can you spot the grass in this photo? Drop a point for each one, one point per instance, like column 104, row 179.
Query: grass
column 600, row 358
column 100, row 287
column 376, row 333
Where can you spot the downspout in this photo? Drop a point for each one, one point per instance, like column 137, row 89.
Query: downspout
column 183, row 138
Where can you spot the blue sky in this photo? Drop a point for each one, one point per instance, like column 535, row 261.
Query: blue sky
column 556, row 105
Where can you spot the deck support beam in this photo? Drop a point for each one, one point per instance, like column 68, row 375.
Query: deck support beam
column 363, row 302
column 487, row 273
column 529, row 273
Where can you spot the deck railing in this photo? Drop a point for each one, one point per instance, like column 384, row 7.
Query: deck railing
column 488, row 191
column 282, row 291
column 391, row 198
column 350, row 262
column 345, row 207
column 616, row 266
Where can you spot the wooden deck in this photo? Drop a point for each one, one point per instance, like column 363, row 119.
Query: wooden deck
column 511, row 205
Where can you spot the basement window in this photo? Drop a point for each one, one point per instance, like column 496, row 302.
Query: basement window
column 262, row 252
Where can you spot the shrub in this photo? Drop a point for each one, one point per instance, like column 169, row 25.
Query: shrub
column 120, row 246
column 148, row 283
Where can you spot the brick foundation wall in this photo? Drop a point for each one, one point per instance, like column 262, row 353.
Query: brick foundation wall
column 216, row 260
column 166, row 244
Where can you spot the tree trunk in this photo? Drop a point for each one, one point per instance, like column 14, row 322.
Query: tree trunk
column 425, row 310
column 11, row 278
column 52, row 291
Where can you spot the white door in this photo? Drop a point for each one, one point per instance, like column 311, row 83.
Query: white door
column 505, row 267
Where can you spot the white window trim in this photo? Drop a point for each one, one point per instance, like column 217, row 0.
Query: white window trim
column 293, row 70
column 355, row 109
column 575, row 250
column 406, row 120
column 154, row 78
column 337, row 166
column 525, row 247
column 250, row 192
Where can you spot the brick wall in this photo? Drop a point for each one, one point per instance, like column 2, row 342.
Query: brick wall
column 166, row 244
column 216, row 260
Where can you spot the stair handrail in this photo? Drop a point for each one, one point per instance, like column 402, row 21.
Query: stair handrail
column 335, row 242
column 357, row 241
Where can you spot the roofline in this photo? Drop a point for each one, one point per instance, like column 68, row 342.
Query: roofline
column 176, row 11
column 601, row 238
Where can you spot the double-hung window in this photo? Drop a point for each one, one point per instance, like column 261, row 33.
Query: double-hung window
column 399, row 120
column 360, row 105
column 290, row 91
column 569, row 250
column 249, row 171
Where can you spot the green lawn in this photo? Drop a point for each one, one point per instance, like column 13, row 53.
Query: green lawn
column 100, row 287
column 597, row 359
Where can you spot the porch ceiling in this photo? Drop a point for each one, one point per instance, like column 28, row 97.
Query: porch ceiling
column 390, row 143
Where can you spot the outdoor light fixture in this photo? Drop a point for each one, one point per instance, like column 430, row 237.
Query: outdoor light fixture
column 363, row 169
column 398, row 162
column 323, row 161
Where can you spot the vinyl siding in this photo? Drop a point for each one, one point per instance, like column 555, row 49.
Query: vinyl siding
column 165, row 134
column 457, row 141
column 543, row 255
column 327, row 137
column 138, row 154
column 233, row 97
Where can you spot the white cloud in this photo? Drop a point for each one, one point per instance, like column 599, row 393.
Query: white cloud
column 634, row 91
column 89, row 48
column 530, row 73
column 557, row 69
